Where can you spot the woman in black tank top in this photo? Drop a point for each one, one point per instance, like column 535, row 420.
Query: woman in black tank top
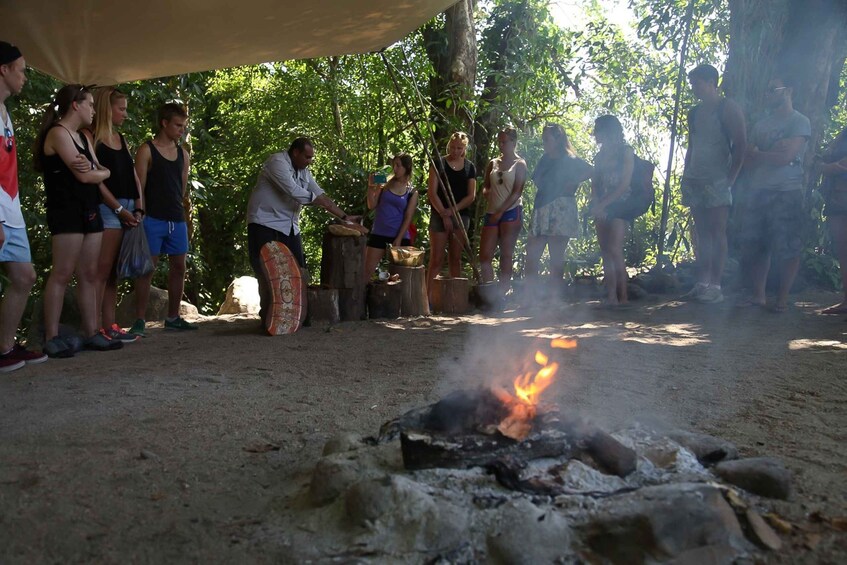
column 121, row 208
column 71, row 178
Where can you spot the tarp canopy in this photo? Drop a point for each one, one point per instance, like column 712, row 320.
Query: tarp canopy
column 112, row 41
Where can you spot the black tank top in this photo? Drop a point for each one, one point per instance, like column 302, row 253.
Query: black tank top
column 163, row 191
column 121, row 183
column 62, row 189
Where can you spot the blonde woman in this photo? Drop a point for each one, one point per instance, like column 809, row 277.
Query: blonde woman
column 444, row 231
column 505, row 177
column 121, row 208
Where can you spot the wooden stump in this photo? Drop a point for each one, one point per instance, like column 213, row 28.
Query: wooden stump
column 342, row 262
column 384, row 299
column 413, row 284
column 450, row 295
column 323, row 305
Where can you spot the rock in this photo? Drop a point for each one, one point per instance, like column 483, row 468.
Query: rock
column 341, row 443
column 242, row 297
column 708, row 555
column 663, row 522
column 402, row 510
column 524, row 533
column 157, row 308
column 577, row 476
column 657, row 282
column 635, row 292
column 765, row 476
column 708, row 449
column 332, row 476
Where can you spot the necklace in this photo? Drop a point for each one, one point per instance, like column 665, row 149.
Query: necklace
column 458, row 167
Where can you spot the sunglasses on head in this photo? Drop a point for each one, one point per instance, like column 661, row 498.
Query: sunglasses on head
column 9, row 142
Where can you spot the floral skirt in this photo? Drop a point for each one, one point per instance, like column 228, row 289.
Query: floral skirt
column 557, row 219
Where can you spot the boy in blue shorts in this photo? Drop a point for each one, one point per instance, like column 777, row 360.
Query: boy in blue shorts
column 162, row 167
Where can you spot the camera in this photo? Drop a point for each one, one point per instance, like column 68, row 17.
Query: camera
column 380, row 178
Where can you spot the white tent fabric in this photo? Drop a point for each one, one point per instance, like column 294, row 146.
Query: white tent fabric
column 112, row 41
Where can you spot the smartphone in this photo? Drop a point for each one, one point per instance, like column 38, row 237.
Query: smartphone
column 380, row 178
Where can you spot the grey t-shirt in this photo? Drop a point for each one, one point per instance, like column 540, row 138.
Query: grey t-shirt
column 558, row 177
column 766, row 133
column 709, row 155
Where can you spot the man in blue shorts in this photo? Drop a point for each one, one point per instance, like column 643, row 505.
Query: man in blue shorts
column 774, row 215
column 162, row 167
column 14, row 245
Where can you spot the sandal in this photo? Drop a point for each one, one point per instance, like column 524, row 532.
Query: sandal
column 837, row 309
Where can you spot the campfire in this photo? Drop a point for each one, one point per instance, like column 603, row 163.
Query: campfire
column 563, row 489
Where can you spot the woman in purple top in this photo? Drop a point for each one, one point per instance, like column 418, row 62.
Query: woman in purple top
column 395, row 203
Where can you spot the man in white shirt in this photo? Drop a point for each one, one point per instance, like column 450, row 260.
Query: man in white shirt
column 14, row 245
column 284, row 186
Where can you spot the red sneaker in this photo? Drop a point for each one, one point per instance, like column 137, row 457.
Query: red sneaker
column 116, row 332
column 21, row 353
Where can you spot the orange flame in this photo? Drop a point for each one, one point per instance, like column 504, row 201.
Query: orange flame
column 529, row 386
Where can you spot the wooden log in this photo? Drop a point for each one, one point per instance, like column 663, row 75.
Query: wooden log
column 351, row 304
column 422, row 450
column 413, row 283
column 384, row 299
column 342, row 261
column 341, row 268
column 450, row 295
column 323, row 305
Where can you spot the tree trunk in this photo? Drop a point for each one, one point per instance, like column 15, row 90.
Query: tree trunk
column 805, row 39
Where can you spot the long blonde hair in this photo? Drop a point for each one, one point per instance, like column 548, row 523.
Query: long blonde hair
column 104, row 98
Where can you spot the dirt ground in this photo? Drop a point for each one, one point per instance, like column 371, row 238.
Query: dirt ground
column 191, row 447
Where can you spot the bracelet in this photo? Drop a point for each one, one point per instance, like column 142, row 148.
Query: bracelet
column 118, row 210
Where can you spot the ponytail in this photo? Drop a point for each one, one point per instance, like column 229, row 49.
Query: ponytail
column 56, row 109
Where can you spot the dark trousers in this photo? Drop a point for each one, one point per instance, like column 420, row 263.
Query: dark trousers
column 257, row 236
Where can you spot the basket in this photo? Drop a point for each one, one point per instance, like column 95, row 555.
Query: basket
column 406, row 256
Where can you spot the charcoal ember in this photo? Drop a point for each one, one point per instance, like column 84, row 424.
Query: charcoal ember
column 466, row 411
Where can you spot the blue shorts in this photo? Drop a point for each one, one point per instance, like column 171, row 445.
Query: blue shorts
column 166, row 238
column 110, row 219
column 509, row 216
column 16, row 246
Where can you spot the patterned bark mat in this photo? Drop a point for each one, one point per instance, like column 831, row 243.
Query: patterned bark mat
column 287, row 289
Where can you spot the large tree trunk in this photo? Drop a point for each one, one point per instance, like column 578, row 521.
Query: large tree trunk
column 806, row 39
column 453, row 53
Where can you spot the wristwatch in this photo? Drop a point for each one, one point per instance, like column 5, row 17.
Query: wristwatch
column 118, row 210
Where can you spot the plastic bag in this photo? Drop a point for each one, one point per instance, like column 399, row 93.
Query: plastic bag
column 134, row 257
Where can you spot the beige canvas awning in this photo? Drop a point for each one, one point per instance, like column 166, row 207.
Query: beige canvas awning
column 111, row 41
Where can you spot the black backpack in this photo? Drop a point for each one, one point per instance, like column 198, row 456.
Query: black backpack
column 642, row 194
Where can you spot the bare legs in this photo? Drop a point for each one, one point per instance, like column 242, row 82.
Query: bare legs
column 610, row 236
column 72, row 253
column 556, row 245
column 438, row 241
column 372, row 259
column 838, row 230
column 107, row 284
column 506, row 235
column 176, row 286
column 21, row 278
column 710, row 225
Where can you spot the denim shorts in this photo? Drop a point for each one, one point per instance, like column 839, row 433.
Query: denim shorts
column 772, row 222
column 15, row 247
column 164, row 237
column 110, row 219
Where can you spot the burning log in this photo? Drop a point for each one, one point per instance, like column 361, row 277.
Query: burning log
column 423, row 450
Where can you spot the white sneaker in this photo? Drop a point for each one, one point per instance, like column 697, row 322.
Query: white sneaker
column 695, row 292
column 710, row 295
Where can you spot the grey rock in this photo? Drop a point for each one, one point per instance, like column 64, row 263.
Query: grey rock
column 341, row 443
column 332, row 476
column 663, row 522
column 708, row 555
column 526, row 534
column 765, row 476
column 401, row 510
column 708, row 449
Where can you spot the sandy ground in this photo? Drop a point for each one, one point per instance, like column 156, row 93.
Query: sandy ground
column 189, row 447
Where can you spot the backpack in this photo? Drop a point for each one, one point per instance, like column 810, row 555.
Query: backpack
column 642, row 194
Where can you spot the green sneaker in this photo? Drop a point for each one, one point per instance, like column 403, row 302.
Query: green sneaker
column 179, row 324
column 138, row 328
